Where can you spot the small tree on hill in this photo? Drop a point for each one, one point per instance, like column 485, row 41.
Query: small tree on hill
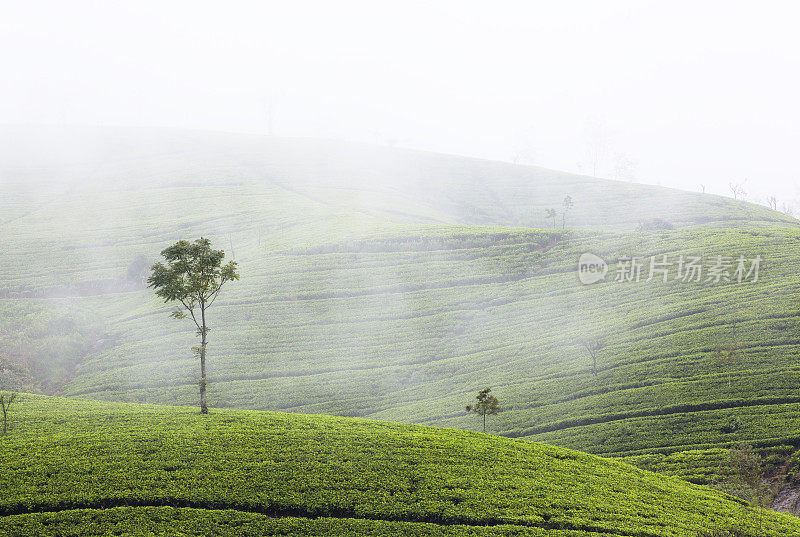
column 737, row 190
column 6, row 400
column 551, row 214
column 567, row 204
column 593, row 345
column 772, row 203
column 487, row 405
column 193, row 276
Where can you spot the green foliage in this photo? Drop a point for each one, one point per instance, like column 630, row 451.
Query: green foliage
column 134, row 469
column 41, row 345
column 487, row 403
column 745, row 466
column 745, row 478
column 793, row 467
column 177, row 521
column 731, row 425
column 194, row 274
column 733, row 532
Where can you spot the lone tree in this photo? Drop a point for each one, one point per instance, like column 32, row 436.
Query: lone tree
column 551, row 213
column 567, row 206
column 6, row 400
column 593, row 346
column 486, row 406
column 193, row 275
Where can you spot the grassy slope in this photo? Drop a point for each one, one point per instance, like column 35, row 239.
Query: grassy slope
column 74, row 467
column 387, row 299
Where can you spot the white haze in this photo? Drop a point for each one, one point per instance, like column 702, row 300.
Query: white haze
column 680, row 94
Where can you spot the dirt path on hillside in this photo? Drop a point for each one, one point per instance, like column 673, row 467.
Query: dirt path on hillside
column 788, row 500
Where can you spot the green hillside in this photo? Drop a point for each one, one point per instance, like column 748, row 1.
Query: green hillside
column 393, row 285
column 71, row 467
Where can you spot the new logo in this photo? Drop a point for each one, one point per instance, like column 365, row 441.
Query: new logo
column 591, row 268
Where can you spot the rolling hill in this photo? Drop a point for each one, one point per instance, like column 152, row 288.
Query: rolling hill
column 71, row 467
column 394, row 284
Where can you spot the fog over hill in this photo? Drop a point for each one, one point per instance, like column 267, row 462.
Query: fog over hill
column 392, row 184
column 392, row 284
column 492, row 269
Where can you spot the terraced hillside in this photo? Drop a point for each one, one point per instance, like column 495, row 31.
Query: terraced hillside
column 72, row 467
column 393, row 285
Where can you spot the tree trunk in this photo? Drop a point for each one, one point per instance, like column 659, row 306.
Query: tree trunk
column 594, row 364
column 203, row 378
column 5, row 419
column 484, row 423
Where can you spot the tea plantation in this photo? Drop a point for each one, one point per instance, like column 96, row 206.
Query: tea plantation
column 393, row 285
column 75, row 467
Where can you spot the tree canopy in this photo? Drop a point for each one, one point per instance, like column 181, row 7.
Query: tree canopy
column 487, row 405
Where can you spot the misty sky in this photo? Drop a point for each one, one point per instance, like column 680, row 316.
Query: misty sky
column 672, row 93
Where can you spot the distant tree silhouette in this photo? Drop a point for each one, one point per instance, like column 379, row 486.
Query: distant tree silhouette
column 487, row 405
column 551, row 213
column 772, row 203
column 138, row 270
column 737, row 189
column 567, row 204
column 593, row 345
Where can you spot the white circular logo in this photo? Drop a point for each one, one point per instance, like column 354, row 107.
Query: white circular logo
column 591, row 268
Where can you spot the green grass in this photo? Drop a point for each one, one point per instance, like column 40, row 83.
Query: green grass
column 394, row 285
column 71, row 467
